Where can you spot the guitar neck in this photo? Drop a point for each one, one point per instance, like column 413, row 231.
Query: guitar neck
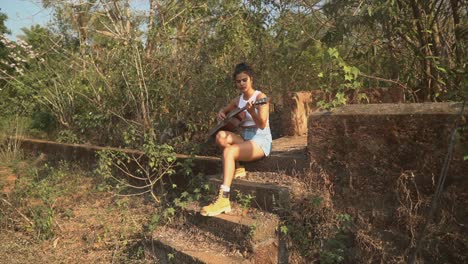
column 236, row 112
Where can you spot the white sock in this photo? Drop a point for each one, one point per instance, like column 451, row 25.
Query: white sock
column 225, row 188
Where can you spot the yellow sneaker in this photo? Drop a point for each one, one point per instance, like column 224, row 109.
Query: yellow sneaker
column 240, row 172
column 221, row 205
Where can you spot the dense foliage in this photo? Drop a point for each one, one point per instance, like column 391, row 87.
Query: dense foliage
column 106, row 72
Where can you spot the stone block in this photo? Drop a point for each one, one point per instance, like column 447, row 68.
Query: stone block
column 368, row 151
column 297, row 106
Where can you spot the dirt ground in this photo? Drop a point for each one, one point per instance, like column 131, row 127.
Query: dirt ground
column 87, row 225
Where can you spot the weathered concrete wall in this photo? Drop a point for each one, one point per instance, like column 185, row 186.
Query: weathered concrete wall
column 297, row 106
column 86, row 154
column 381, row 159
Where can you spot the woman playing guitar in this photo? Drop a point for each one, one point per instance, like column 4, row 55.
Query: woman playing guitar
column 253, row 143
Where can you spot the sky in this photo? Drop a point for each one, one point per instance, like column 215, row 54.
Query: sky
column 23, row 13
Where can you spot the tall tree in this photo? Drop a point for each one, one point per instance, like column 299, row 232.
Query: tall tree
column 419, row 36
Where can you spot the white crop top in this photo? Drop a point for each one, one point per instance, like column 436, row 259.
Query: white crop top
column 248, row 121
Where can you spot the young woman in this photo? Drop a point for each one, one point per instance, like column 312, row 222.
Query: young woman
column 253, row 143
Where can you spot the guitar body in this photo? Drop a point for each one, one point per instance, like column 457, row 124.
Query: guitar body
column 233, row 119
column 233, row 123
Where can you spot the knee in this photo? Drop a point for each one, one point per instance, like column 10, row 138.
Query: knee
column 221, row 138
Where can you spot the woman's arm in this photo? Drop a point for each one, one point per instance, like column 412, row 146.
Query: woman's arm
column 225, row 110
column 260, row 117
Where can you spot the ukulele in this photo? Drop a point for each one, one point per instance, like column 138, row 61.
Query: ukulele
column 233, row 118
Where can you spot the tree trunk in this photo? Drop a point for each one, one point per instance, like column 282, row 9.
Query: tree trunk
column 80, row 17
column 151, row 29
column 457, row 45
column 425, row 51
column 128, row 25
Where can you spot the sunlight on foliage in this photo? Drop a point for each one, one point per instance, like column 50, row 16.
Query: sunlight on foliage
column 138, row 173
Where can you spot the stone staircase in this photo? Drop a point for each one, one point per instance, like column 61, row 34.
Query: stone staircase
column 238, row 237
column 241, row 236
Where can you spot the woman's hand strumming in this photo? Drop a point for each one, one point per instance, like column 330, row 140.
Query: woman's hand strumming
column 221, row 116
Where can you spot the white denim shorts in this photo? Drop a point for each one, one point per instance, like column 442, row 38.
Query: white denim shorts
column 260, row 136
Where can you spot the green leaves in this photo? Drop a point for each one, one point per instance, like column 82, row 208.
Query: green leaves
column 338, row 78
column 140, row 74
column 159, row 155
column 333, row 53
column 284, row 229
column 245, row 200
column 139, row 172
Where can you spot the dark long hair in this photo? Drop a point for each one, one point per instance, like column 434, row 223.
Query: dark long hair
column 243, row 67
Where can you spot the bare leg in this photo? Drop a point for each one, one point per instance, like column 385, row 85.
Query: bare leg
column 225, row 139
column 234, row 148
column 244, row 151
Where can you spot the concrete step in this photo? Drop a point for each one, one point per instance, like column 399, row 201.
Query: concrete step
column 268, row 197
column 289, row 154
column 182, row 246
column 253, row 232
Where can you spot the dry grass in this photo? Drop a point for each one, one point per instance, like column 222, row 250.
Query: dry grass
column 84, row 225
column 318, row 233
column 9, row 146
column 443, row 240
column 411, row 203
